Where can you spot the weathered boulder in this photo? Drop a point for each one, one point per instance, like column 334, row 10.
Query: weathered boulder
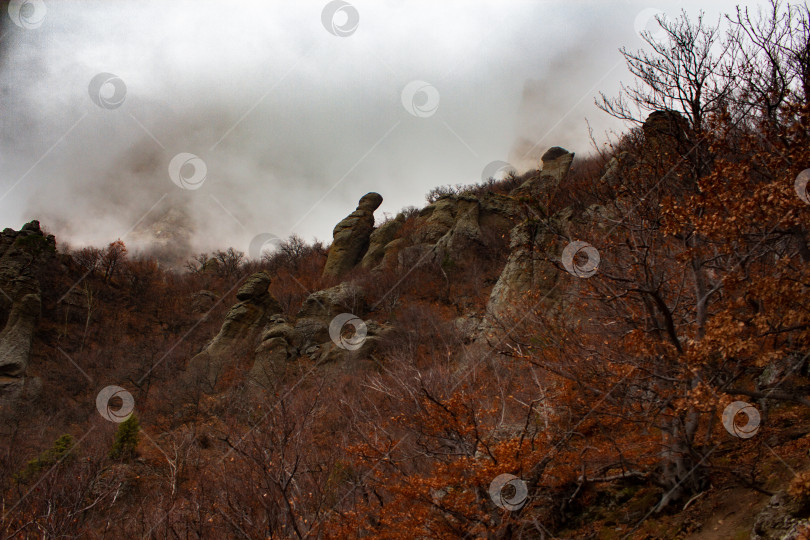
column 16, row 337
column 280, row 344
column 497, row 211
column 313, row 330
column 379, row 239
column 533, row 266
column 202, row 301
column 464, row 238
column 242, row 324
column 454, row 230
column 783, row 517
column 391, row 254
column 283, row 330
column 351, row 237
column 346, row 297
column 272, row 356
column 435, row 220
column 667, row 131
column 254, row 287
column 320, row 307
column 531, row 261
column 533, row 245
column 556, row 164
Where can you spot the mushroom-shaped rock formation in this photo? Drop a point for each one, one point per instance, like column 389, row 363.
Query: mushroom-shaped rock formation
column 242, row 325
column 351, row 237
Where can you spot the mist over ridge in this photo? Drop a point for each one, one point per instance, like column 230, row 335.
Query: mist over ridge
column 293, row 123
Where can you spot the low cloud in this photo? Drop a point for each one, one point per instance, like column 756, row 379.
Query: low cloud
column 293, row 123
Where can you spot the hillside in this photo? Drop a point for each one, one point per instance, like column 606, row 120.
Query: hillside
column 609, row 346
column 393, row 376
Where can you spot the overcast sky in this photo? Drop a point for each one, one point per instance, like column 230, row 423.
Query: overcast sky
column 293, row 110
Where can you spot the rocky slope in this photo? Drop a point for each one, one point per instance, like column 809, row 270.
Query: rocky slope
column 242, row 374
column 454, row 230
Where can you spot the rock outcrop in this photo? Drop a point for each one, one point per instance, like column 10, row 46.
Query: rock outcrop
column 351, row 237
column 556, row 163
column 534, row 244
column 320, row 307
column 452, row 231
column 533, row 250
column 242, row 324
column 783, row 517
column 255, row 327
column 666, row 132
column 20, row 300
column 314, row 336
column 379, row 239
column 202, row 301
column 280, row 343
column 16, row 337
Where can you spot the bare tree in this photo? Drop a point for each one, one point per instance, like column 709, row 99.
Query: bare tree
column 198, row 263
column 773, row 53
column 88, row 258
column 112, row 257
column 229, row 261
column 681, row 73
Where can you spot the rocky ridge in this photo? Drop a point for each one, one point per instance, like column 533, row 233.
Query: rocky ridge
column 454, row 229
